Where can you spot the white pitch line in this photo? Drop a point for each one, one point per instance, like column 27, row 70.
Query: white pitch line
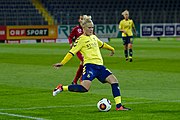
column 87, row 105
column 21, row 116
column 48, row 107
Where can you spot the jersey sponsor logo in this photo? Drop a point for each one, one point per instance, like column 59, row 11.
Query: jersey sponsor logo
column 87, row 41
column 90, row 45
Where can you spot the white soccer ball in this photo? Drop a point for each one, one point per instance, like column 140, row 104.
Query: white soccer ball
column 104, row 105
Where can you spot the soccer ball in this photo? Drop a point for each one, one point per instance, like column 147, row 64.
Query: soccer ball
column 104, row 105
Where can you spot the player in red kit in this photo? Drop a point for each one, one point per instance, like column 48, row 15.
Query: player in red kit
column 75, row 33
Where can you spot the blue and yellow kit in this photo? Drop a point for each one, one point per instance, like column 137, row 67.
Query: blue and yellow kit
column 89, row 47
column 126, row 25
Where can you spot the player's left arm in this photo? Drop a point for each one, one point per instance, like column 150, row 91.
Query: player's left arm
column 69, row 55
column 106, row 46
column 134, row 28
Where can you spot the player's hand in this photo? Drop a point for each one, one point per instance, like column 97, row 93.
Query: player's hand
column 112, row 53
column 125, row 32
column 57, row 65
column 135, row 34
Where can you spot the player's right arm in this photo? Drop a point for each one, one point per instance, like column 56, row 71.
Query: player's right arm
column 134, row 28
column 68, row 56
column 120, row 26
column 76, row 47
column 121, row 29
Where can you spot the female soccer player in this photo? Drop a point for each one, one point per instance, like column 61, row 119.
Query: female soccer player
column 89, row 45
column 126, row 26
column 75, row 33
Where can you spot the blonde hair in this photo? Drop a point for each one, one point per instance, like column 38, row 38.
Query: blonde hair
column 125, row 12
column 86, row 19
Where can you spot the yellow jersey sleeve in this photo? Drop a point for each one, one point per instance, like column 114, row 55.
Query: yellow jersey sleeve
column 108, row 47
column 67, row 58
column 120, row 25
column 133, row 26
column 77, row 45
column 100, row 43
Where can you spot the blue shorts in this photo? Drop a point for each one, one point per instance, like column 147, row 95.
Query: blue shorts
column 127, row 40
column 92, row 71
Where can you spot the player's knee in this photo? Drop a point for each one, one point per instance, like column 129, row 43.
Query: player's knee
column 84, row 89
column 111, row 79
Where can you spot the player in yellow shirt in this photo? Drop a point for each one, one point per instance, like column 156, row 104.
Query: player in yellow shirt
column 89, row 45
column 126, row 26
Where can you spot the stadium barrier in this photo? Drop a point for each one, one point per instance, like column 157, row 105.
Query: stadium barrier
column 39, row 33
column 60, row 33
column 160, row 30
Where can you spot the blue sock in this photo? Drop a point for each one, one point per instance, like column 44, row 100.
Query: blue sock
column 126, row 53
column 130, row 52
column 77, row 88
column 116, row 93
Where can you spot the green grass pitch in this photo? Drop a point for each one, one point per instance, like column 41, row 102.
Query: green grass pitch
column 150, row 85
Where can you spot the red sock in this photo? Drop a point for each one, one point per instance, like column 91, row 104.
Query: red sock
column 78, row 73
